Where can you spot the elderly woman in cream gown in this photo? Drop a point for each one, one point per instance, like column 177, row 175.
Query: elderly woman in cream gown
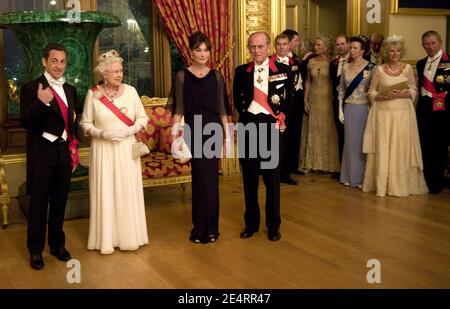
column 115, row 181
column 391, row 139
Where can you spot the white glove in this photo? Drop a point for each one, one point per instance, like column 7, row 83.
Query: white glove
column 113, row 135
column 94, row 132
column 176, row 129
column 135, row 128
column 341, row 112
column 124, row 133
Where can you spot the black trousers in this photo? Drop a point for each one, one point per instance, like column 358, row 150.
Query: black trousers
column 251, row 169
column 48, row 196
column 434, row 132
column 292, row 135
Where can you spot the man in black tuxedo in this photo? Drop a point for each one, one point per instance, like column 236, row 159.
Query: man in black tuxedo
column 262, row 91
column 336, row 65
column 48, row 158
column 433, row 110
column 291, row 142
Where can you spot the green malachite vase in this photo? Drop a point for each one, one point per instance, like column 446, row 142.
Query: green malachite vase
column 35, row 29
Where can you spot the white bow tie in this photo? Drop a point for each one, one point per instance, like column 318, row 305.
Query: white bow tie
column 54, row 82
column 284, row 60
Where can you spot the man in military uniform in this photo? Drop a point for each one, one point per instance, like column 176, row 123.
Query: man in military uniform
column 433, row 110
column 262, row 90
column 289, row 163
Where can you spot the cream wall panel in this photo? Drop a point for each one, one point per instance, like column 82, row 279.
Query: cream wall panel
column 412, row 28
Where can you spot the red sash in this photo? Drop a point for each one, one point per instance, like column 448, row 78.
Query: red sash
column 261, row 98
column 73, row 142
column 114, row 109
column 438, row 98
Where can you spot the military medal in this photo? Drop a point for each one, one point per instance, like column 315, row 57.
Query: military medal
column 275, row 99
column 124, row 110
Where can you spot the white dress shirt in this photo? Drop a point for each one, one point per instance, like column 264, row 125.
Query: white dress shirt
column 260, row 81
column 432, row 63
column 57, row 85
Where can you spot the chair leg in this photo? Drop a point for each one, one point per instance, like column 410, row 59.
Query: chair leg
column 183, row 187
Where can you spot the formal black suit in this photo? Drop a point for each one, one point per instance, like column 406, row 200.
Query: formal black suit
column 434, row 126
column 48, row 164
column 335, row 80
column 294, row 116
column 278, row 88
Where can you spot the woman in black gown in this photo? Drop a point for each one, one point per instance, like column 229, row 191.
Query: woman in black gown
column 199, row 95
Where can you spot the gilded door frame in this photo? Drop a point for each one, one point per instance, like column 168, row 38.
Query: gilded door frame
column 271, row 19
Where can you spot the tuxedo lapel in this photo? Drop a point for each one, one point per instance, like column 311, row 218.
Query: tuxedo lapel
column 250, row 79
column 70, row 101
column 53, row 103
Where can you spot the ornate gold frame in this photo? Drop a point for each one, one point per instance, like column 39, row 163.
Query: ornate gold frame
column 416, row 11
column 272, row 20
column 354, row 17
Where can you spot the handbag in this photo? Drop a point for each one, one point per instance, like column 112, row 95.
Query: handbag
column 139, row 148
column 180, row 150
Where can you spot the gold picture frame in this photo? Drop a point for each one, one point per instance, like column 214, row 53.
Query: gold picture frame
column 395, row 9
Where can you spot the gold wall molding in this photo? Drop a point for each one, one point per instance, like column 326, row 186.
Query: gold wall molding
column 416, row 11
column 259, row 15
column 162, row 68
column 353, row 17
column 4, row 195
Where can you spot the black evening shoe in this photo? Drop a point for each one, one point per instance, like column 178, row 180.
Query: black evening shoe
column 213, row 238
column 194, row 239
column 247, row 233
column 274, row 235
column 36, row 261
column 61, row 254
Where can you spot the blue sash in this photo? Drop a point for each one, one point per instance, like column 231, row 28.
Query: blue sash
column 355, row 82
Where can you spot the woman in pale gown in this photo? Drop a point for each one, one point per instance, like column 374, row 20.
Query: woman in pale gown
column 353, row 110
column 319, row 142
column 117, row 216
column 391, row 139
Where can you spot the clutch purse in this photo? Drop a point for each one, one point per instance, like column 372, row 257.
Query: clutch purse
column 180, row 150
column 399, row 86
column 139, row 149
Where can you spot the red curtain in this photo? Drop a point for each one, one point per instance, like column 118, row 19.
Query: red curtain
column 212, row 17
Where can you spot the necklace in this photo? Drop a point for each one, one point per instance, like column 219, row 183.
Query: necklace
column 199, row 74
column 393, row 71
column 111, row 95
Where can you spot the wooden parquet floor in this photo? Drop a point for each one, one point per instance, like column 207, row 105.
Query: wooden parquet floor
column 329, row 232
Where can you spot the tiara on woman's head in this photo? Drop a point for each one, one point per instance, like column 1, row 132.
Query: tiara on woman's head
column 109, row 54
column 394, row 39
column 363, row 37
